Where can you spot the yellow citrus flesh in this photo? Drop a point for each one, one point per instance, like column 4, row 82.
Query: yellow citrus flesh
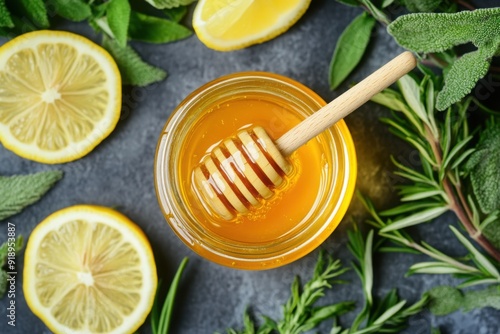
column 89, row 269
column 60, row 96
column 226, row 25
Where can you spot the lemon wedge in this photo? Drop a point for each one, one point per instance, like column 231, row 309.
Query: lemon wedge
column 60, row 96
column 226, row 25
column 89, row 269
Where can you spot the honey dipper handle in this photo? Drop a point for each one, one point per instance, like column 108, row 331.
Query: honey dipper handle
column 346, row 103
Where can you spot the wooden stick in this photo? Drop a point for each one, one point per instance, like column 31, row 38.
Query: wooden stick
column 346, row 103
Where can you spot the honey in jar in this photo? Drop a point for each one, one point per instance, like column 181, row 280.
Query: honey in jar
column 303, row 211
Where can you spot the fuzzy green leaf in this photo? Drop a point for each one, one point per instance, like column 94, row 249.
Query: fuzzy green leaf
column 133, row 69
column 481, row 27
column 390, row 99
column 492, row 233
column 350, row 48
column 489, row 297
column 118, row 16
column 463, row 76
column 162, row 4
column 432, row 32
column 73, row 10
column 4, row 252
column 5, row 19
column 155, row 30
column 483, row 166
column 35, row 11
column 445, row 300
column 19, row 191
column 423, row 6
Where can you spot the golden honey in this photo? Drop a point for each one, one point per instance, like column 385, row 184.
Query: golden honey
column 303, row 211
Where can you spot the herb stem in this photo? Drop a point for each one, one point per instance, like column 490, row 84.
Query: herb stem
column 465, row 4
column 457, row 202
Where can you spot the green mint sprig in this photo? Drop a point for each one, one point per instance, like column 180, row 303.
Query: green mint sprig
column 19, row 191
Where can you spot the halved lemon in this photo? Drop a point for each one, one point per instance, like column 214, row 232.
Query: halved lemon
column 89, row 269
column 60, row 96
column 226, row 25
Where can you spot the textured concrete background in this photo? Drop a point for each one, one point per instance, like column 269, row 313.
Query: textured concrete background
column 119, row 173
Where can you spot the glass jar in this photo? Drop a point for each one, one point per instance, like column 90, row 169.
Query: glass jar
column 302, row 213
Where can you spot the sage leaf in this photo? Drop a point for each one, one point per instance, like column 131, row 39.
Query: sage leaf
column 118, row 16
column 17, row 244
column 155, row 30
column 378, row 14
column 162, row 4
column 133, row 69
column 73, row 10
column 463, row 76
column 489, row 297
column 35, row 11
column 411, row 92
column 445, row 300
column 492, row 233
column 19, row 191
column 390, row 99
column 483, row 167
column 481, row 27
column 350, row 48
column 5, row 19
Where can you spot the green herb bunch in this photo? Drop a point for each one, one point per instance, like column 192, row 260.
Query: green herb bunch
column 118, row 20
column 451, row 179
column 389, row 315
column 433, row 34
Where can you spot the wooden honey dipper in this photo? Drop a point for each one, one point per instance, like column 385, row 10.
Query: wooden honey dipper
column 241, row 171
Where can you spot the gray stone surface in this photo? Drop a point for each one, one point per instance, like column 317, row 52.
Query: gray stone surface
column 119, row 173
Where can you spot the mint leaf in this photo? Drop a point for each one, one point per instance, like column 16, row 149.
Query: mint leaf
column 489, row 297
column 19, row 191
column 350, row 48
column 421, row 5
column 73, row 10
column 133, row 69
column 155, row 30
column 176, row 14
column 36, row 11
column 162, row 4
column 5, row 19
column 118, row 15
column 483, row 167
column 445, row 300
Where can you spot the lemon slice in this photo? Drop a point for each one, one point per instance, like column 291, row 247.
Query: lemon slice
column 226, row 25
column 60, row 96
column 89, row 269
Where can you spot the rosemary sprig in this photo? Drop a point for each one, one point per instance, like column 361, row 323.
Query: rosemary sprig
column 443, row 149
column 390, row 315
column 160, row 322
